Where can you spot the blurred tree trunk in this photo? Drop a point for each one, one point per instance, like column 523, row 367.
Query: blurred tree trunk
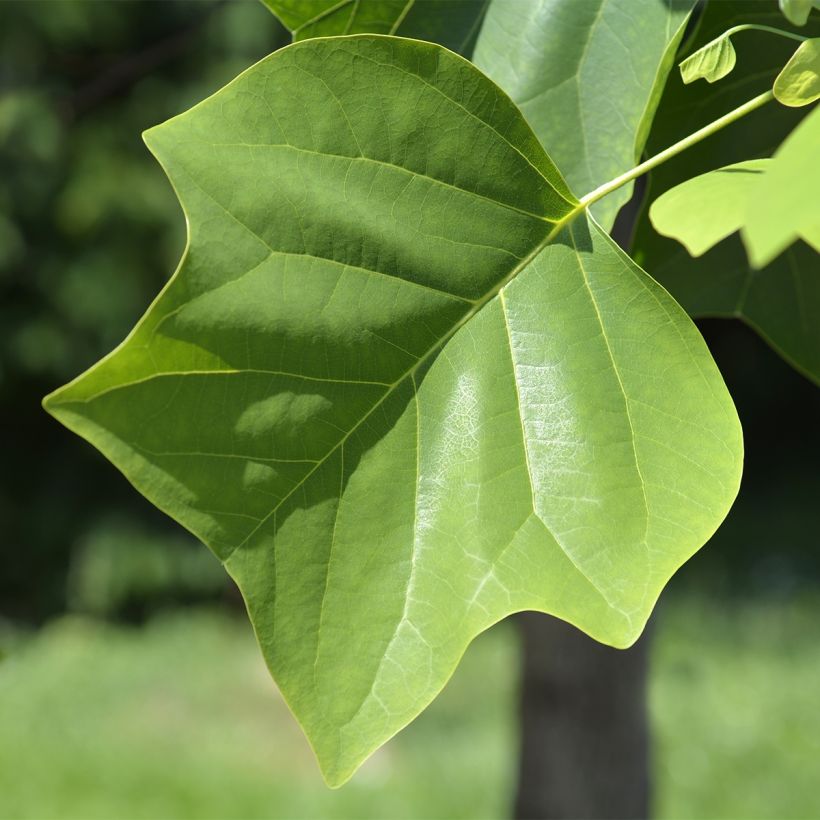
column 584, row 729
column 583, row 714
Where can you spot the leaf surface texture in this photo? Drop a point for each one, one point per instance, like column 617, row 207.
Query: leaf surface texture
column 397, row 391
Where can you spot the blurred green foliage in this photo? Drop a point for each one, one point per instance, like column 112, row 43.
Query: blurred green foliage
column 121, row 570
column 178, row 719
column 89, row 232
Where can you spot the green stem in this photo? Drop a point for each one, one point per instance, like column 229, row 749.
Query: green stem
column 677, row 148
column 755, row 27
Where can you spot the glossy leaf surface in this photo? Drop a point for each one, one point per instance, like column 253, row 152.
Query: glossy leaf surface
column 587, row 76
column 798, row 83
column 782, row 301
column 397, row 391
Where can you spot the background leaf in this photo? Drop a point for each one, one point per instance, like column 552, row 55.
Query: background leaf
column 587, row 76
column 711, row 62
column 451, row 23
column 787, row 201
column 394, row 395
column 782, row 301
column 797, row 11
column 706, row 209
column 799, row 82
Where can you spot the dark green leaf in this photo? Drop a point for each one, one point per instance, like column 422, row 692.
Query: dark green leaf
column 452, row 23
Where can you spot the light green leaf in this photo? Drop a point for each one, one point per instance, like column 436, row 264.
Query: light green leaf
column 798, row 83
column 587, row 76
column 706, row 209
column 397, row 392
column 782, row 301
column 452, row 23
column 797, row 11
column 712, row 62
column 787, row 201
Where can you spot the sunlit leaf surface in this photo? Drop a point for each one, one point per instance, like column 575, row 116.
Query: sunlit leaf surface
column 798, row 83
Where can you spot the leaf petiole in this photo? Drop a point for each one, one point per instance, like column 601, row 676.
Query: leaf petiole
column 673, row 150
column 755, row 27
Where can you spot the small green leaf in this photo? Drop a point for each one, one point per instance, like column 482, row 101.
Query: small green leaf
column 712, row 62
column 797, row 11
column 397, row 391
column 588, row 76
column 786, row 203
column 702, row 211
column 798, row 83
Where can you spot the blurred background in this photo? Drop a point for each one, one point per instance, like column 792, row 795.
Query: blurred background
column 130, row 683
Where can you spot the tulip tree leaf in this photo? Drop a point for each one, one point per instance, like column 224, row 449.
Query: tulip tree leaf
column 798, row 83
column 711, row 62
column 402, row 386
column 587, row 76
column 452, row 23
column 781, row 301
column 772, row 202
column 786, row 205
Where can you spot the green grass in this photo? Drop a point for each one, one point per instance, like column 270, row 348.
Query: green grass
column 179, row 720
column 735, row 697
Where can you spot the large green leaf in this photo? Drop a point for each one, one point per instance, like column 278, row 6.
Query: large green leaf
column 782, row 301
column 588, row 75
column 397, row 390
column 452, row 23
